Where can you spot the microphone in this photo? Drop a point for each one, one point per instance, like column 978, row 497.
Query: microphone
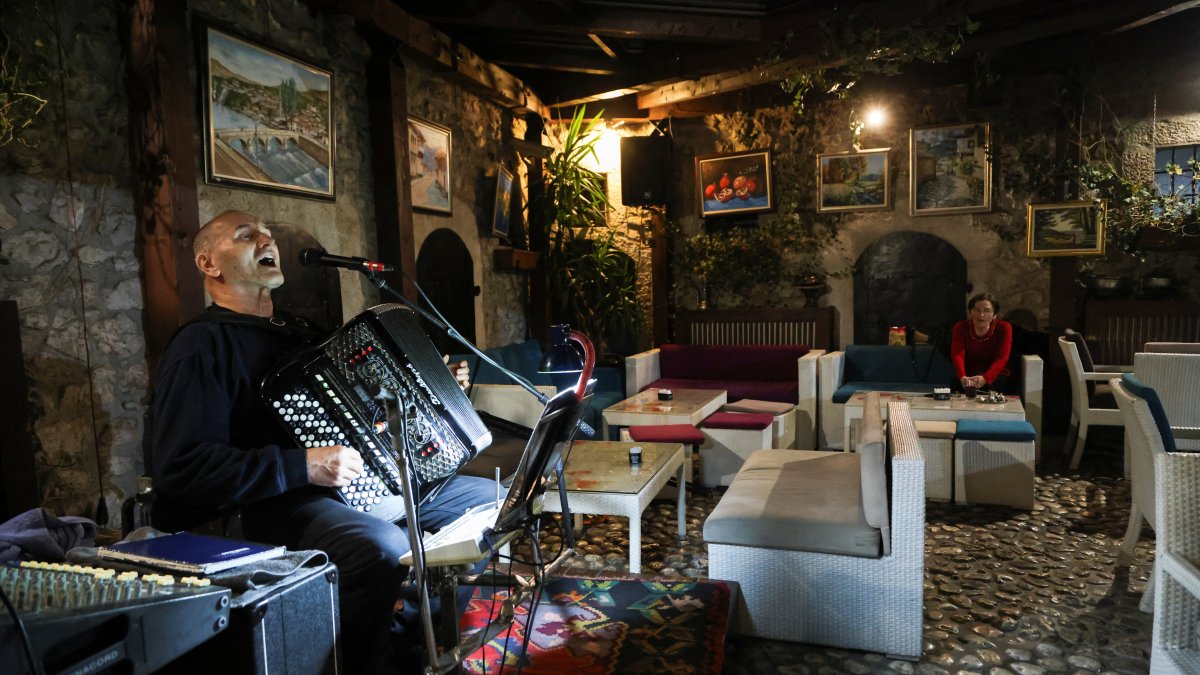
column 315, row 257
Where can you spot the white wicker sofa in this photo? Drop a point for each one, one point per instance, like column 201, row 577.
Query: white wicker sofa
column 822, row 550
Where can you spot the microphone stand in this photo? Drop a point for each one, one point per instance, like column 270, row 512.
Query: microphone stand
column 451, row 331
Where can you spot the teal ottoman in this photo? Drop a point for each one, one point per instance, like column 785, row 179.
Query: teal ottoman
column 993, row 462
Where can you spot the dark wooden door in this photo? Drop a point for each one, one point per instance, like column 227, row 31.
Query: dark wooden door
column 446, row 273
column 908, row 279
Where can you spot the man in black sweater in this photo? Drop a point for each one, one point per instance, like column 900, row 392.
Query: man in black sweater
column 217, row 447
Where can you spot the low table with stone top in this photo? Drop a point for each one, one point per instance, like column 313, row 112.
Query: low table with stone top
column 925, row 407
column 600, row 481
column 687, row 406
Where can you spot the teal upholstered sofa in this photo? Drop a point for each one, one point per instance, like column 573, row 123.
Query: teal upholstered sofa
column 523, row 358
column 917, row 368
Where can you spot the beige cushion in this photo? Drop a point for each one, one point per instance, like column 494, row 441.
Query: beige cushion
column 800, row 500
column 935, row 428
column 873, row 469
column 751, row 405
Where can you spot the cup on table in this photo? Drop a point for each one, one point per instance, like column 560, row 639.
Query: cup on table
column 969, row 390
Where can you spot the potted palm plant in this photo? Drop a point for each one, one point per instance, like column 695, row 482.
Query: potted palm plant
column 592, row 283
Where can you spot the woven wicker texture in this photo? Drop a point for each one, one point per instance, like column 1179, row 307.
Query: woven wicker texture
column 872, row 604
column 1082, row 414
column 994, row 472
column 1176, row 378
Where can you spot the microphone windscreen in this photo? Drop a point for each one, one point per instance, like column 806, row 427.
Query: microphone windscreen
column 310, row 256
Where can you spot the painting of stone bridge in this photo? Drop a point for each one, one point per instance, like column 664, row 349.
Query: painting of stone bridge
column 269, row 120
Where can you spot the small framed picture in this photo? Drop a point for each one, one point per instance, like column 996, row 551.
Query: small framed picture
column 949, row 171
column 500, row 208
column 853, row 181
column 269, row 120
column 734, row 183
column 1066, row 228
column 429, row 165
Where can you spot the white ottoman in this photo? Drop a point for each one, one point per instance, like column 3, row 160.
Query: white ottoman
column 937, row 445
column 729, row 438
column 783, row 423
column 993, row 462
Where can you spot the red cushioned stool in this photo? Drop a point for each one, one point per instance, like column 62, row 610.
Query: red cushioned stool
column 688, row 435
column 729, row 438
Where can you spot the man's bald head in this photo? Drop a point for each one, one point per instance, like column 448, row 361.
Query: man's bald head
column 215, row 229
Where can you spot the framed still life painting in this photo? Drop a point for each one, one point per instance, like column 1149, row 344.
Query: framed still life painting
column 949, row 171
column 1066, row 228
column 734, row 183
column 429, row 165
column 853, row 181
column 269, row 121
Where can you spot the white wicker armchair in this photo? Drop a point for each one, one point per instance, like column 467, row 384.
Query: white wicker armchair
column 868, row 603
column 1175, row 481
column 1176, row 378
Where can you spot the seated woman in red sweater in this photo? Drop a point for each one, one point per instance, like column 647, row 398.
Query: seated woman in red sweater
column 980, row 345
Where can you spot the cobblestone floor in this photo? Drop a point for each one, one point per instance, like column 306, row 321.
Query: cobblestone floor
column 1006, row 591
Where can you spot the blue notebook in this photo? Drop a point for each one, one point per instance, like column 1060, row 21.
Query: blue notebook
column 192, row 553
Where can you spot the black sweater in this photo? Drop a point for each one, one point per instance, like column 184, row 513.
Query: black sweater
column 215, row 445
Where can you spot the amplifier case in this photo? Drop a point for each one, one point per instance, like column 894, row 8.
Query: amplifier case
column 291, row 626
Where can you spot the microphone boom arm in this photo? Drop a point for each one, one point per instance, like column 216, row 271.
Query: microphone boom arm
column 451, row 331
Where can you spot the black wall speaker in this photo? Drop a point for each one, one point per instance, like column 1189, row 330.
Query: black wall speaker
column 645, row 170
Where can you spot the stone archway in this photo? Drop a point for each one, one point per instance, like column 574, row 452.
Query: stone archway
column 907, row 279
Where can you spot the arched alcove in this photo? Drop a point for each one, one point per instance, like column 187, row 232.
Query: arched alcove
column 446, row 272
column 907, row 279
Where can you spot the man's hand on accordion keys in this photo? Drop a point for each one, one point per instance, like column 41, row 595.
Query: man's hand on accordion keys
column 333, row 465
column 462, row 371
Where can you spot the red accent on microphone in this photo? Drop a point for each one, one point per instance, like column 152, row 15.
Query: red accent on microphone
column 374, row 266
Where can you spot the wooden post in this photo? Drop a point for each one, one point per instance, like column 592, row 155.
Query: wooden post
column 539, row 233
column 162, row 123
column 387, row 111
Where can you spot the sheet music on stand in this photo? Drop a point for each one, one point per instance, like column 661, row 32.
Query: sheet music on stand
column 545, row 453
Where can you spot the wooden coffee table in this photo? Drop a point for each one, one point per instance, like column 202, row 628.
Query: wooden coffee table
column 687, row 406
column 600, row 481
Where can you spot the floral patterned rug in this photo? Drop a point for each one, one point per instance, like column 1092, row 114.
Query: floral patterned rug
column 593, row 626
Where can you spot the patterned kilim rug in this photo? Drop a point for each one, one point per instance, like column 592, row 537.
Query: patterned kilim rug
column 602, row 626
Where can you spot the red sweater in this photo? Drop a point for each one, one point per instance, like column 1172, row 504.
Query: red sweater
column 988, row 356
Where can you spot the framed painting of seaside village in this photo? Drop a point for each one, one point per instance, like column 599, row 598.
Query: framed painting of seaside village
column 269, row 121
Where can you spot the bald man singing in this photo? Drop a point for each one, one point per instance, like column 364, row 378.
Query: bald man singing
column 217, row 448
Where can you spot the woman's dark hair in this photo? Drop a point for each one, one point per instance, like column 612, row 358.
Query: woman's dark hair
column 984, row 296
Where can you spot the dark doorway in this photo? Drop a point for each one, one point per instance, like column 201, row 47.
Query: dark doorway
column 908, row 279
column 447, row 275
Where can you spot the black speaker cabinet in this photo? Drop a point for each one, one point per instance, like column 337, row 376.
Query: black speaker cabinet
column 290, row 626
column 19, row 490
column 645, row 170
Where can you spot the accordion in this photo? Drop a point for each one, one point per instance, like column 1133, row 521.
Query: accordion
column 332, row 394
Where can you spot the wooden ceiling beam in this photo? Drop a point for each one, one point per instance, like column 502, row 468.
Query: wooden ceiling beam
column 616, row 22
column 1155, row 16
column 426, row 43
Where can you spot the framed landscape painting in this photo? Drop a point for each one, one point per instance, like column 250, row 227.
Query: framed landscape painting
column 949, row 171
column 429, row 165
column 269, row 123
column 500, row 213
column 853, row 181
column 1066, row 228
column 734, row 183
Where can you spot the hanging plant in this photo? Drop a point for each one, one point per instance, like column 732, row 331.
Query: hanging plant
column 19, row 101
column 853, row 46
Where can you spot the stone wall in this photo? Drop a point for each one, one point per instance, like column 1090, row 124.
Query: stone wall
column 1024, row 124
column 68, row 254
column 67, row 234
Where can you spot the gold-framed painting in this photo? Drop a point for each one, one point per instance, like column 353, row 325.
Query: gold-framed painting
column 853, row 181
column 1066, row 228
column 429, row 165
column 949, row 169
column 268, row 119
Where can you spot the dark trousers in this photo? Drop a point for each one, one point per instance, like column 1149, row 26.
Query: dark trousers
column 367, row 552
